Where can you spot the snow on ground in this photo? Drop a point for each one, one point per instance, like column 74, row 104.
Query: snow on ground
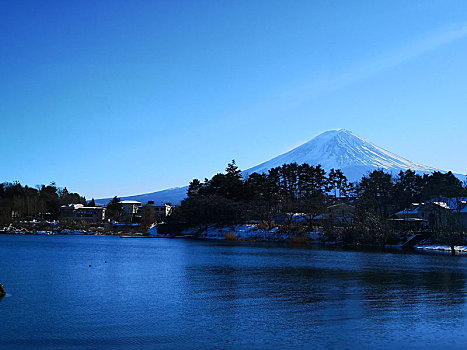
column 249, row 232
column 73, row 232
column 459, row 248
column 153, row 230
column 47, row 233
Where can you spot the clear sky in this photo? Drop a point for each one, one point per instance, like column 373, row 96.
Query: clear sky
column 127, row 97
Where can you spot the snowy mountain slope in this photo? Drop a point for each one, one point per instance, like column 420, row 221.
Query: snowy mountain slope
column 338, row 149
column 342, row 149
column 171, row 195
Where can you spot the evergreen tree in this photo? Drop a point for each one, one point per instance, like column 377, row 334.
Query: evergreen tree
column 50, row 201
column 233, row 171
column 439, row 185
column 338, row 184
column 407, row 189
column 114, row 210
column 375, row 193
column 194, row 188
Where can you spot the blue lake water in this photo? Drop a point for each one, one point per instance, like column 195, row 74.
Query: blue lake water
column 182, row 294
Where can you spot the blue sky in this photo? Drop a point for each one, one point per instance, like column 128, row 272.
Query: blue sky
column 126, row 97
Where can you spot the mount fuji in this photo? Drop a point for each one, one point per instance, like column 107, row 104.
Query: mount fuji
column 342, row 149
column 338, row 149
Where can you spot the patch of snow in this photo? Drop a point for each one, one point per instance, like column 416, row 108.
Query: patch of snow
column 250, row 232
column 458, row 248
column 73, row 232
column 153, row 230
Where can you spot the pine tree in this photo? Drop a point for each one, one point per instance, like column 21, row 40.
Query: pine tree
column 195, row 188
column 114, row 209
column 338, row 183
column 233, row 171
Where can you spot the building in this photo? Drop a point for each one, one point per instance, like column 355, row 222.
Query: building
column 160, row 211
column 78, row 212
column 131, row 211
column 438, row 212
column 131, row 207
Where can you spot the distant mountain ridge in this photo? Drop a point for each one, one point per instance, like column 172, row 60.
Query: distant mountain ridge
column 172, row 195
column 338, row 149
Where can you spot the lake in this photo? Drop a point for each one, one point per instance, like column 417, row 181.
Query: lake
column 190, row 294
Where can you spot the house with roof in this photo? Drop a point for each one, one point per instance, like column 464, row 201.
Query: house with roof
column 131, row 207
column 161, row 211
column 130, row 210
column 438, row 212
column 79, row 212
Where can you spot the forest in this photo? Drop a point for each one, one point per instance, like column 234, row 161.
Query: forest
column 21, row 202
column 229, row 199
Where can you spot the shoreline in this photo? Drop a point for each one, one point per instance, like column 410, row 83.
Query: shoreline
column 248, row 233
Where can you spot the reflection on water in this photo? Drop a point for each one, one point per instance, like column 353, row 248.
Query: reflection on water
column 194, row 294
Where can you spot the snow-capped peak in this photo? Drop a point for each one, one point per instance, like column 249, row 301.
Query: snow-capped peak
column 342, row 149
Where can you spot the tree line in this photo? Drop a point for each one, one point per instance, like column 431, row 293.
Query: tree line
column 17, row 201
column 229, row 198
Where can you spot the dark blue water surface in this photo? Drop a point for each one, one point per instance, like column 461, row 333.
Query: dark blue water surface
column 171, row 294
